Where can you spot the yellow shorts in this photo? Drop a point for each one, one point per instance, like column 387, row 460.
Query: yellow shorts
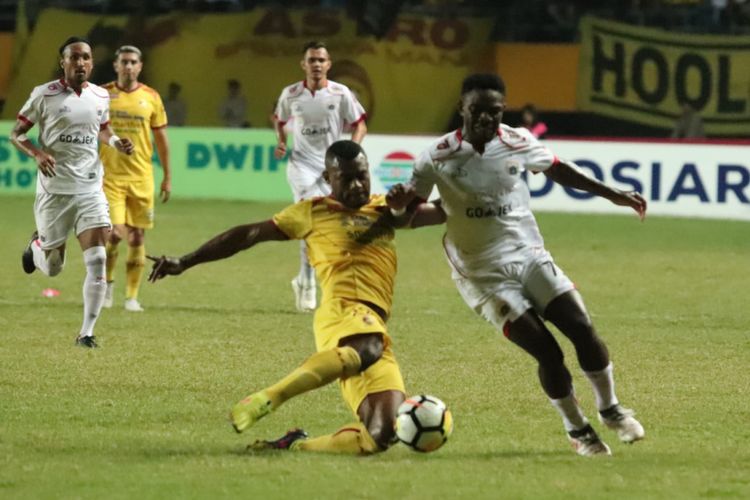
column 130, row 202
column 338, row 319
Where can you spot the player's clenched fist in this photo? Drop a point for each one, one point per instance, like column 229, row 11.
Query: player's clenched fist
column 125, row 146
column 399, row 196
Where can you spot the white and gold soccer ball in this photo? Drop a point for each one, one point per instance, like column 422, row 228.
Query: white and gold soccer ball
column 423, row 423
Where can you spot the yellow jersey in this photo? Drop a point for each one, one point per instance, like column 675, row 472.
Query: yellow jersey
column 354, row 256
column 133, row 115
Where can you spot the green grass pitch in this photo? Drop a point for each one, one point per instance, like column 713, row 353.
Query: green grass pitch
column 145, row 416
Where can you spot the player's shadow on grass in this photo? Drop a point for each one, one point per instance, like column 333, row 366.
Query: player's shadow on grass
column 60, row 304
column 414, row 457
column 224, row 310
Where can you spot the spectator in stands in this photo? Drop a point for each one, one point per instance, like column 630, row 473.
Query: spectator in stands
column 233, row 108
column 530, row 121
column 689, row 124
column 174, row 106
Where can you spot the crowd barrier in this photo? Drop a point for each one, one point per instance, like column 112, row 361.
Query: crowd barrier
column 709, row 180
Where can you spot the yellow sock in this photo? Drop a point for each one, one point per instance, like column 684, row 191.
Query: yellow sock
column 352, row 438
column 318, row 370
column 135, row 264
column 112, row 254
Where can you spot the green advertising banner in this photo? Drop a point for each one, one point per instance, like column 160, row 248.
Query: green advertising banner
column 206, row 163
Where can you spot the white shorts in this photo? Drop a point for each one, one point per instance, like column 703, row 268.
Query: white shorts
column 57, row 214
column 504, row 292
column 306, row 183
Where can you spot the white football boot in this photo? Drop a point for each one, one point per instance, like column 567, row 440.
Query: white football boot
column 132, row 305
column 587, row 443
column 621, row 420
column 304, row 297
column 109, row 294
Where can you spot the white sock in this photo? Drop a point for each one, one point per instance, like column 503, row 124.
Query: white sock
column 567, row 407
column 94, row 287
column 603, row 383
column 50, row 264
column 306, row 276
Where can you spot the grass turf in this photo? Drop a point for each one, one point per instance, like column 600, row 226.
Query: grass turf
column 145, row 415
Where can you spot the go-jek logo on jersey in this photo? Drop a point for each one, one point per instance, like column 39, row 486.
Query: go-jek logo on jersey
column 395, row 168
column 77, row 139
column 315, row 130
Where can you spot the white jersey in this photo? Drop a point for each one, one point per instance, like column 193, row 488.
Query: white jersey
column 69, row 126
column 484, row 196
column 319, row 120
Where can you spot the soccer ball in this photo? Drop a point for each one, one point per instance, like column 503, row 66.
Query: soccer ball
column 423, row 423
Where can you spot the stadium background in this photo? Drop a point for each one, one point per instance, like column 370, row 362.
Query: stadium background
column 143, row 417
column 405, row 60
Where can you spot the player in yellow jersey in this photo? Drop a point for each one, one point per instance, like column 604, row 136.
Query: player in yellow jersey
column 349, row 237
column 136, row 110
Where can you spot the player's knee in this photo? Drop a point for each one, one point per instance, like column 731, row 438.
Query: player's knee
column 350, row 360
column 371, row 352
column 369, row 348
column 551, row 357
column 55, row 262
column 135, row 238
column 383, row 433
column 95, row 258
column 114, row 237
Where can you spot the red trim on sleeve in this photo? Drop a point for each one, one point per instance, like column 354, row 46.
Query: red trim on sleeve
column 506, row 329
column 104, row 125
column 24, row 119
column 281, row 122
column 361, row 118
column 459, row 135
column 555, row 162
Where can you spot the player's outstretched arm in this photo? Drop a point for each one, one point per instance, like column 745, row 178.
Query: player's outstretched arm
column 280, row 150
column 430, row 213
column 567, row 173
column 359, row 132
column 162, row 147
column 44, row 161
column 219, row 247
column 410, row 210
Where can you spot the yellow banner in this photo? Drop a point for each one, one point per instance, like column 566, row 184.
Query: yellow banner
column 408, row 81
column 645, row 75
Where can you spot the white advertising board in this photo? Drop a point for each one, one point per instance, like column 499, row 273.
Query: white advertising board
column 685, row 180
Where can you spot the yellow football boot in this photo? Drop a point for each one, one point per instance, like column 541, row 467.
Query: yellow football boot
column 248, row 411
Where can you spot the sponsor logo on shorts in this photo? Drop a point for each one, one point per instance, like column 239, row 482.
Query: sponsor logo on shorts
column 64, row 109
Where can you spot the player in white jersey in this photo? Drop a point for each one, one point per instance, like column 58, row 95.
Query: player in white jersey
column 73, row 116
column 320, row 109
column 497, row 255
